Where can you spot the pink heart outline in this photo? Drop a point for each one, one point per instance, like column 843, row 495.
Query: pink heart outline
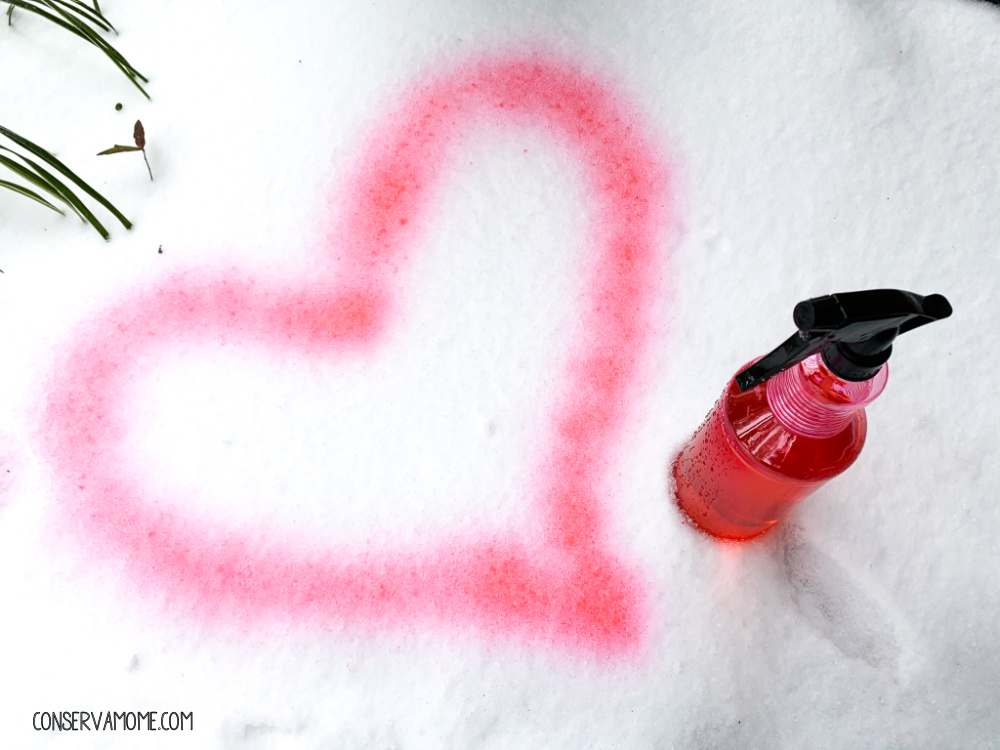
column 569, row 590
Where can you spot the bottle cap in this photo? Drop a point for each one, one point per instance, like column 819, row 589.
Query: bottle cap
column 853, row 331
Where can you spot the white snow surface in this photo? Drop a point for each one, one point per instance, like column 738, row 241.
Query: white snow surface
column 816, row 147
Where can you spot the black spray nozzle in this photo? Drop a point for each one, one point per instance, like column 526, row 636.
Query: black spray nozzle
column 853, row 331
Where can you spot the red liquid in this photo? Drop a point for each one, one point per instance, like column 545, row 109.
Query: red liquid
column 743, row 470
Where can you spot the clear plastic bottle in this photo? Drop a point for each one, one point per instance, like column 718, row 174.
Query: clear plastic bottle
column 760, row 452
column 795, row 418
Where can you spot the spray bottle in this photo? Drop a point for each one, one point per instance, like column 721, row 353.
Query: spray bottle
column 795, row 418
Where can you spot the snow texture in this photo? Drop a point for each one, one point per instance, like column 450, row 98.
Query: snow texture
column 806, row 148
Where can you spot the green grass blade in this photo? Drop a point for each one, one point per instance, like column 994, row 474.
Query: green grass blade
column 73, row 28
column 82, row 29
column 45, row 180
column 86, row 12
column 65, row 171
column 30, row 194
column 26, row 6
column 55, row 190
column 69, row 196
column 116, row 149
column 95, row 38
column 98, row 41
column 73, row 25
column 38, row 11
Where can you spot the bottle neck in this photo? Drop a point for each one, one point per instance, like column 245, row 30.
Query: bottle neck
column 812, row 401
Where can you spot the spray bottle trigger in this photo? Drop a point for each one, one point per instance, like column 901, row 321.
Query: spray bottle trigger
column 854, row 331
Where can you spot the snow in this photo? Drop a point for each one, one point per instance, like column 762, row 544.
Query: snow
column 810, row 148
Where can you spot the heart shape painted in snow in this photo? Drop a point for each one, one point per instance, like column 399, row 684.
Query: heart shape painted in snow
column 568, row 589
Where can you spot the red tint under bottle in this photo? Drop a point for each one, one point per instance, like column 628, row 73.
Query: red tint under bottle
column 745, row 468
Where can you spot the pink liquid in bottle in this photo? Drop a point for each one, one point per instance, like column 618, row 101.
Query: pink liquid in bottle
column 760, row 452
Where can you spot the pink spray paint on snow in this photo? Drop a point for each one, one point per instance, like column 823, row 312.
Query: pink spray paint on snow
column 569, row 588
